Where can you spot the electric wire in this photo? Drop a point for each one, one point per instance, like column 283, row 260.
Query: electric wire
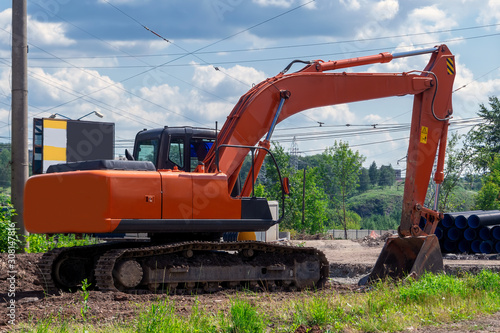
column 115, row 85
column 171, row 42
column 282, row 47
column 217, row 68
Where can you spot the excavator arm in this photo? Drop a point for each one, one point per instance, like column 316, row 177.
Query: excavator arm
column 279, row 97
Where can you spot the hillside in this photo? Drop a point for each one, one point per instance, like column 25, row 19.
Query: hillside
column 382, row 202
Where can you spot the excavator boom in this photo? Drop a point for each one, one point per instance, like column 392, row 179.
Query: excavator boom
column 284, row 95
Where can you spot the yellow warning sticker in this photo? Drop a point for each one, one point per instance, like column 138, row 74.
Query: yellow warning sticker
column 423, row 134
column 450, row 66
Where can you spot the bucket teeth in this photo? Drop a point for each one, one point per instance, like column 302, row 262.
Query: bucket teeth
column 402, row 256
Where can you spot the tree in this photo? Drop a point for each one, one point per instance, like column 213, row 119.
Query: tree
column 345, row 167
column 364, row 180
column 5, row 170
column 316, row 201
column 484, row 139
column 373, row 173
column 387, row 176
column 457, row 160
column 488, row 196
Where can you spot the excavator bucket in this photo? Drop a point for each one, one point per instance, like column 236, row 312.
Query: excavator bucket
column 407, row 256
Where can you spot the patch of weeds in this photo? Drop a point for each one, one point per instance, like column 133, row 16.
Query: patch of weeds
column 431, row 285
column 161, row 317
column 485, row 281
column 244, row 318
column 200, row 321
column 41, row 243
column 85, row 302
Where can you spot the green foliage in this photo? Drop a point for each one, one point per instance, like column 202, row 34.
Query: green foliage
column 353, row 220
column 85, row 302
column 160, row 318
column 315, row 212
column 382, row 222
column 320, row 311
column 432, row 300
column 244, row 318
column 5, row 168
column 484, row 139
column 9, row 238
column 431, row 285
column 364, row 180
column 377, row 202
column 488, row 195
column 451, row 193
column 485, row 281
column 341, row 167
column 387, row 176
column 373, row 173
column 42, row 243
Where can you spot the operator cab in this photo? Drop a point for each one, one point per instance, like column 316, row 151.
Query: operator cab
column 169, row 147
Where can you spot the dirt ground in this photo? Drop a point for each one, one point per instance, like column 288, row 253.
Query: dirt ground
column 349, row 261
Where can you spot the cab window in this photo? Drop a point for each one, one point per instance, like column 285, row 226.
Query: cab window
column 148, row 151
column 198, row 150
column 176, row 152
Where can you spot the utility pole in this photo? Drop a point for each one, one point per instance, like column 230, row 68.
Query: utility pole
column 19, row 147
column 304, row 198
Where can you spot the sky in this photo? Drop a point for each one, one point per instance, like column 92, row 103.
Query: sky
column 147, row 64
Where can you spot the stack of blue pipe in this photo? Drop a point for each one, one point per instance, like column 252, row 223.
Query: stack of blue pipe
column 470, row 232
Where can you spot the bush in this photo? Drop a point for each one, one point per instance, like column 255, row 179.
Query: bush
column 9, row 238
column 42, row 243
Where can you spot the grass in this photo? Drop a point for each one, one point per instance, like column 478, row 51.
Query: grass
column 387, row 307
column 41, row 243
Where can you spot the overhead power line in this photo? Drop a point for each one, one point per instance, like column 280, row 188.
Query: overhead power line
column 253, row 49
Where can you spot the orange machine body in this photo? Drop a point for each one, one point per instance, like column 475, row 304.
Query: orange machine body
column 96, row 201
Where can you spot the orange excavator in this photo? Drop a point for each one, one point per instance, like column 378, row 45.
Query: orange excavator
column 180, row 187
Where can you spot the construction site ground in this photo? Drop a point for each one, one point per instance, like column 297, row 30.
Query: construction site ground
column 349, row 260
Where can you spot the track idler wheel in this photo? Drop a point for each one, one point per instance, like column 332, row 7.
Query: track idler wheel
column 69, row 272
column 128, row 273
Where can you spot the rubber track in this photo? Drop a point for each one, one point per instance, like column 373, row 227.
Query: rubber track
column 44, row 271
column 105, row 264
column 46, row 264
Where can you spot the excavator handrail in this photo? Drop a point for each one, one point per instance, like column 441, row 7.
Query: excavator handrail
column 252, row 150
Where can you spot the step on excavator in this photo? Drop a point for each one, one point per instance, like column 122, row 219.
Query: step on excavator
column 180, row 186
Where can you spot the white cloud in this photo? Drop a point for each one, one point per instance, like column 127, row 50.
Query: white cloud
column 429, row 18
column 283, row 3
column 385, row 9
column 490, row 14
column 333, row 114
column 43, row 33
column 143, row 45
column 275, row 3
column 6, row 24
column 227, row 82
column 418, row 21
column 39, row 33
column 119, row 2
column 473, row 91
column 372, row 118
column 351, row 4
